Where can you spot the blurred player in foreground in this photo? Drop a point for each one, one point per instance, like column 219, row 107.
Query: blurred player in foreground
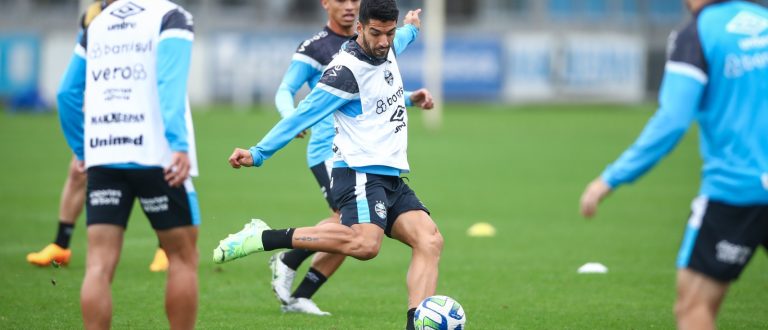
column 73, row 198
column 716, row 75
column 137, row 142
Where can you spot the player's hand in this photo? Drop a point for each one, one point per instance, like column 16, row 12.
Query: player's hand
column 302, row 134
column 240, row 158
column 178, row 171
column 412, row 17
column 422, row 98
column 592, row 195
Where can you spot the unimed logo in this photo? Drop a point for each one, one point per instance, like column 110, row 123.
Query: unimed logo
column 116, row 141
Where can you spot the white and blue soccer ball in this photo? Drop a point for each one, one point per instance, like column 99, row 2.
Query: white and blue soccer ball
column 439, row 313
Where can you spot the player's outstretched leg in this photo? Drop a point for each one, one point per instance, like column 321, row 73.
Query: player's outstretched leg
column 240, row 244
column 361, row 241
column 416, row 229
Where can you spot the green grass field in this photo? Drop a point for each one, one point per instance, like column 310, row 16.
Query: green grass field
column 521, row 169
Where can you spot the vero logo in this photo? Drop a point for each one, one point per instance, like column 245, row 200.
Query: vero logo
column 747, row 23
column 127, row 10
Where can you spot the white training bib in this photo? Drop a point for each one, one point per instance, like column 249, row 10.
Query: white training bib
column 379, row 135
column 123, row 122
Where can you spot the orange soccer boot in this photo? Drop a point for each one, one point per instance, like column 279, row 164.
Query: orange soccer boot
column 160, row 263
column 52, row 254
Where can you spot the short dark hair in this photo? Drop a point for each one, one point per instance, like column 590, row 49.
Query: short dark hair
column 382, row 10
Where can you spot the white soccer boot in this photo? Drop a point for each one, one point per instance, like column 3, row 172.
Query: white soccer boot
column 303, row 305
column 282, row 278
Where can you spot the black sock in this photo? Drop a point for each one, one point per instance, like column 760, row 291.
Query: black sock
column 64, row 234
column 295, row 257
column 311, row 283
column 277, row 239
column 409, row 325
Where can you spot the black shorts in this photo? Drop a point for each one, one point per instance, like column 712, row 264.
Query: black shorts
column 371, row 198
column 322, row 173
column 721, row 238
column 111, row 191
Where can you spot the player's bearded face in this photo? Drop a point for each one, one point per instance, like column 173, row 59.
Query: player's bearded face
column 377, row 37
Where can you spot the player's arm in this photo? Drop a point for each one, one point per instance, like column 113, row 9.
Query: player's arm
column 70, row 98
column 682, row 87
column 174, row 53
column 301, row 70
column 336, row 88
column 421, row 98
column 406, row 34
column 679, row 100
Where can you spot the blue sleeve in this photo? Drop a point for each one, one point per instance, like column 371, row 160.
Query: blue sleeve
column 316, row 106
column 173, row 60
column 404, row 36
column 407, row 96
column 70, row 101
column 174, row 53
column 679, row 100
column 298, row 73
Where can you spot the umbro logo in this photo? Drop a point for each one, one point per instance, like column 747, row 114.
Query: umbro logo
column 747, row 23
column 127, row 10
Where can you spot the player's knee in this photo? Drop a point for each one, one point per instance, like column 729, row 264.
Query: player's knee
column 685, row 302
column 684, row 309
column 100, row 270
column 76, row 176
column 328, row 220
column 185, row 260
column 430, row 241
column 363, row 249
column 434, row 243
column 184, row 256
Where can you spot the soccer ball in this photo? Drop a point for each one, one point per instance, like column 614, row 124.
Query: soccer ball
column 439, row 313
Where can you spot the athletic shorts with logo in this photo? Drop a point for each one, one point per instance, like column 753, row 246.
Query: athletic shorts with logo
column 371, row 198
column 322, row 173
column 111, row 192
column 721, row 238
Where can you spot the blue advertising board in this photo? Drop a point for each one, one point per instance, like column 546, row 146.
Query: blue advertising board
column 472, row 68
column 19, row 64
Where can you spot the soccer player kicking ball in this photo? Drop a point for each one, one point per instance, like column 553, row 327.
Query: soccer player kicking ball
column 711, row 77
column 363, row 89
column 307, row 66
